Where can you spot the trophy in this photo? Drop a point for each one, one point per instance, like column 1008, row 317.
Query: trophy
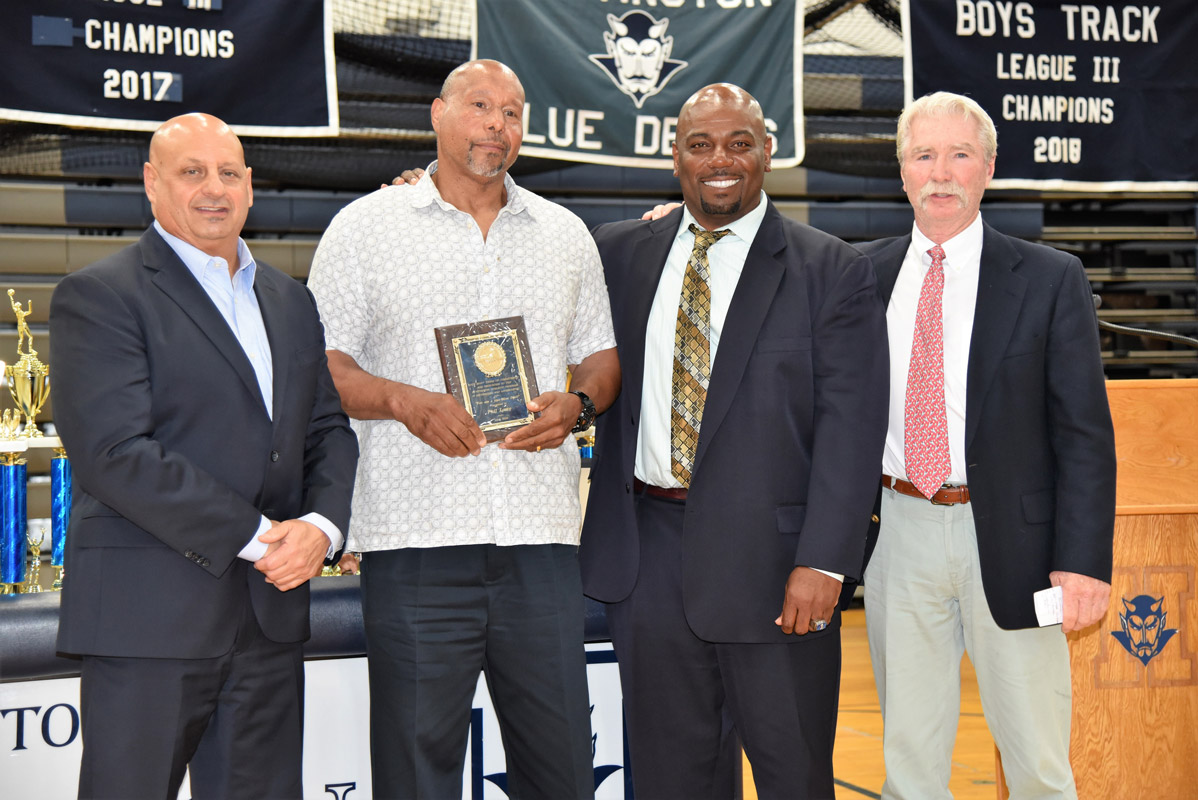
column 29, row 378
column 29, row 384
column 60, row 512
column 33, row 583
column 12, row 522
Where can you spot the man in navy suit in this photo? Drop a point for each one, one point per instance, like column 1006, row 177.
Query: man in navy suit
column 718, row 554
column 999, row 471
column 213, row 474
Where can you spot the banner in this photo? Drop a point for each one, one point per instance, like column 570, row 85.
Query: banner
column 40, row 745
column 604, row 80
column 263, row 66
column 1085, row 97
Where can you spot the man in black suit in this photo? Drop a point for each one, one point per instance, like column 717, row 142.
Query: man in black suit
column 193, row 397
column 735, row 468
column 999, row 470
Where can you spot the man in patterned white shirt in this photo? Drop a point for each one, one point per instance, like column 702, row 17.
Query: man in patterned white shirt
column 470, row 551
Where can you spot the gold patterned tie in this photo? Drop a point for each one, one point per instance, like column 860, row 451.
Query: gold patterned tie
column 692, row 357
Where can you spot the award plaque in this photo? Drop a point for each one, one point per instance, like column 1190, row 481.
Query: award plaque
column 488, row 368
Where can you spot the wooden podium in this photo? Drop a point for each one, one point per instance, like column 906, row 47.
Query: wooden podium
column 1135, row 719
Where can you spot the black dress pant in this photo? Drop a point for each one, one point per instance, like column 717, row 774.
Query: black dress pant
column 689, row 703
column 237, row 719
column 437, row 616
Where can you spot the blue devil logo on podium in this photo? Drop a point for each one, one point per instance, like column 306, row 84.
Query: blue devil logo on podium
column 1144, row 634
column 638, row 55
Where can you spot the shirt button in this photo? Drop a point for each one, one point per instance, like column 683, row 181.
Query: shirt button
column 486, row 269
column 274, row 455
column 494, row 463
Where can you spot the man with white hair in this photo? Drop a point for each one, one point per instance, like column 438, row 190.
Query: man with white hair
column 999, row 470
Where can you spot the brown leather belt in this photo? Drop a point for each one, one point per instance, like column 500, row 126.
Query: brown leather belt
column 946, row 496
column 640, row 486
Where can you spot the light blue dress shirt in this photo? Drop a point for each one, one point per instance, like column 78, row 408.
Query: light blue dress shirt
column 237, row 303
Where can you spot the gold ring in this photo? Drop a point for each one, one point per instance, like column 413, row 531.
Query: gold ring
column 538, row 448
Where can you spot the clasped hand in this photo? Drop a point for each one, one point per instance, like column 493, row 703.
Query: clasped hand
column 295, row 551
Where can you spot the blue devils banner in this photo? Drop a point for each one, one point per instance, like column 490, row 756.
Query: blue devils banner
column 1085, row 96
column 264, row 66
column 604, row 79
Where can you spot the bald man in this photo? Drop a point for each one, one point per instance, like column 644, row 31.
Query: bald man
column 470, row 551
column 213, row 476
column 736, row 471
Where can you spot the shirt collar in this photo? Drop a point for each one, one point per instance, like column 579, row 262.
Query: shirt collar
column 198, row 262
column 963, row 249
column 744, row 228
column 427, row 193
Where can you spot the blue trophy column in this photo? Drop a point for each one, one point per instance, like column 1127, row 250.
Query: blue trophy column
column 60, row 510
column 12, row 522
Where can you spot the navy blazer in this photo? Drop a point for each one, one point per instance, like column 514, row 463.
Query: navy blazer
column 1039, row 443
column 175, row 457
column 790, row 446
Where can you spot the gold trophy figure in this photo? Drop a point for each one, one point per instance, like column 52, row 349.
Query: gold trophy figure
column 29, row 378
column 33, row 582
column 10, row 423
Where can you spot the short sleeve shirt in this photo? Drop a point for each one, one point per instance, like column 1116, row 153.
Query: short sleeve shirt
column 398, row 263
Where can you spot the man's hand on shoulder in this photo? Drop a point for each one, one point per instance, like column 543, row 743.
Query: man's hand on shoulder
column 409, row 177
column 1084, row 599
column 659, row 211
column 295, row 552
column 559, row 411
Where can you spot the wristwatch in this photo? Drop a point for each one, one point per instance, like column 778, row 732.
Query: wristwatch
column 587, row 418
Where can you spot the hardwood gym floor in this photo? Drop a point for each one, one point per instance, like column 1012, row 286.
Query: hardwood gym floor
column 858, row 758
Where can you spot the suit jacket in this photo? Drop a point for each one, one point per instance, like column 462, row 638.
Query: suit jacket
column 790, row 445
column 175, row 457
column 1039, row 443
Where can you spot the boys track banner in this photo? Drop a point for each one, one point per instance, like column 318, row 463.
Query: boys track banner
column 1086, row 97
column 263, row 66
column 604, row 80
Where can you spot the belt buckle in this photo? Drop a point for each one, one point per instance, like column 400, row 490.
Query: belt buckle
column 936, row 502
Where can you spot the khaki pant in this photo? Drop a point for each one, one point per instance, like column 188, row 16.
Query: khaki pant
column 924, row 607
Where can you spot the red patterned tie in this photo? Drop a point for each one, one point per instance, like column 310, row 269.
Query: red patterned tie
column 925, row 422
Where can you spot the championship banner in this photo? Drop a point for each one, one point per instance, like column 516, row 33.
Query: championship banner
column 604, row 80
column 264, row 66
column 1086, row 97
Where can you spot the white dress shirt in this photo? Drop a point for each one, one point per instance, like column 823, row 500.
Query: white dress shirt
column 725, row 259
column 237, row 303
column 962, row 258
